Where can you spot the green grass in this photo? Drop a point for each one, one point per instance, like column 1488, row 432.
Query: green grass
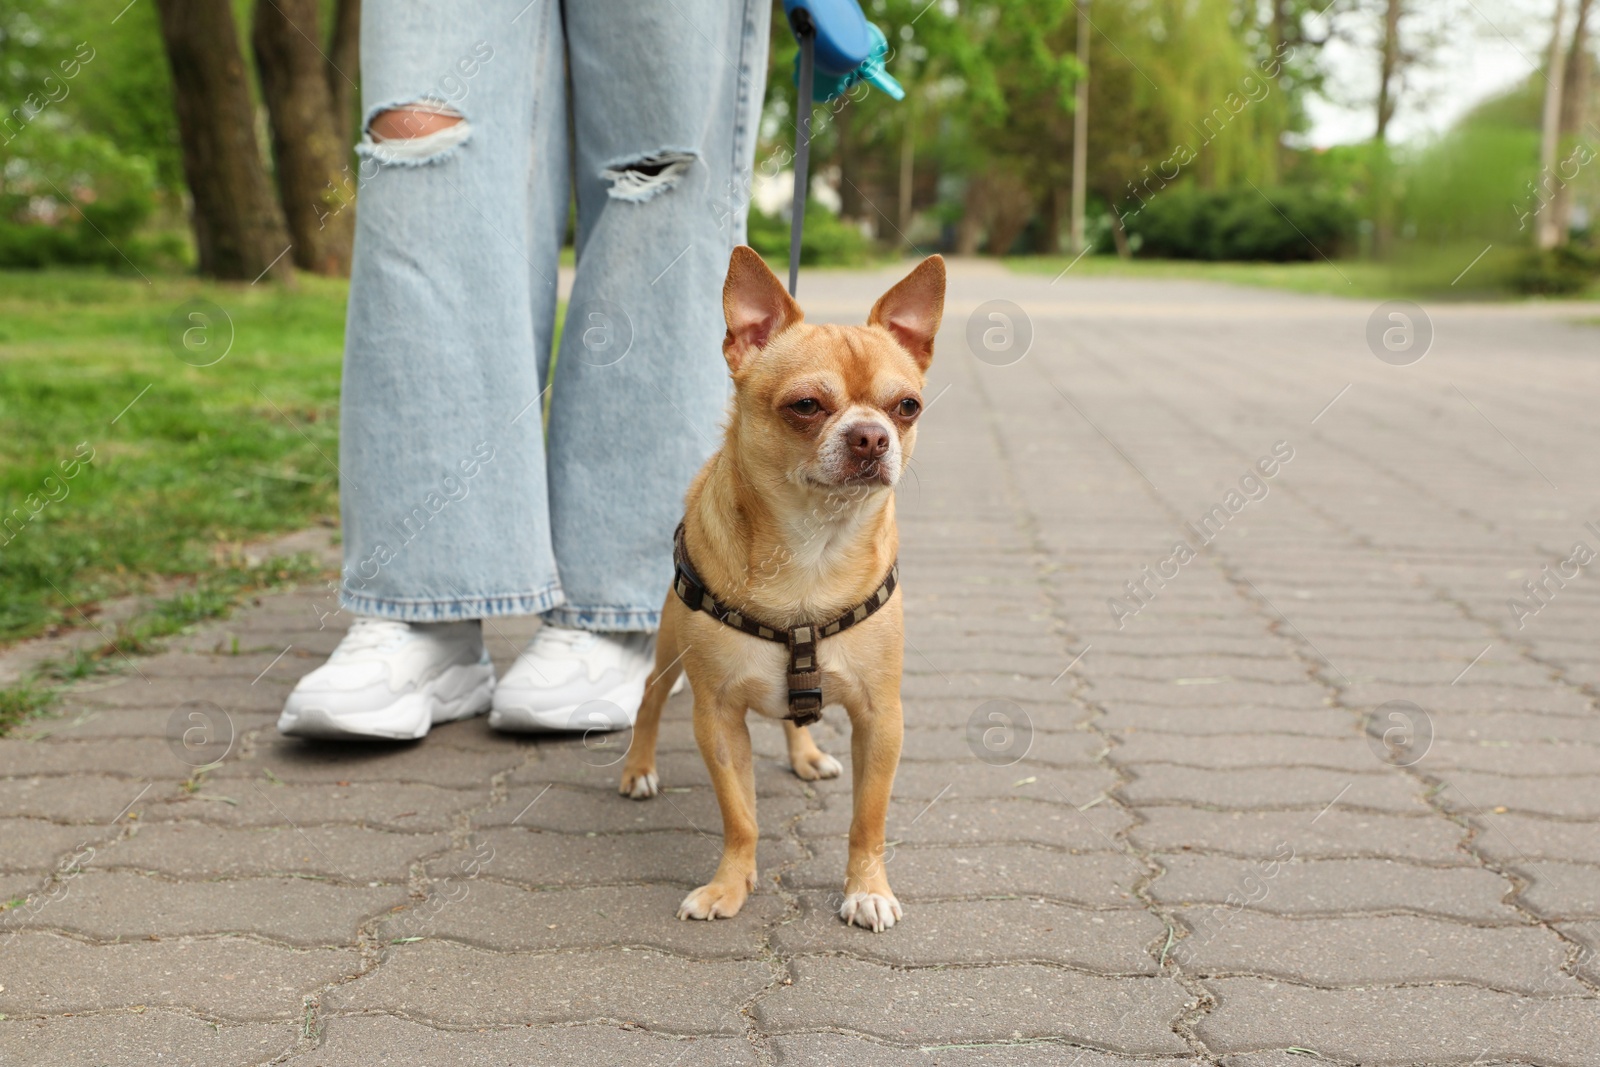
column 1422, row 276
column 1341, row 279
column 210, row 596
column 99, row 498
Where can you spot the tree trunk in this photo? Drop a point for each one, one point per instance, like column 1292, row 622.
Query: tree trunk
column 1119, row 235
column 1388, row 66
column 344, row 68
column 1389, row 63
column 852, row 201
column 306, row 146
column 1050, row 216
column 1550, row 136
column 908, row 157
column 238, row 229
column 1574, row 114
column 1080, row 131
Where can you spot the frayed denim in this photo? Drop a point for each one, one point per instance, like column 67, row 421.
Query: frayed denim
column 457, row 502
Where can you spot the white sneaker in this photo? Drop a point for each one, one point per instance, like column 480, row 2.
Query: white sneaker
column 575, row 680
column 393, row 680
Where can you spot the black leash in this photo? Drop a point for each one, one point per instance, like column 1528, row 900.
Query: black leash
column 806, row 34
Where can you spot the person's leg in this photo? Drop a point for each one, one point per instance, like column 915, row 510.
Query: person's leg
column 666, row 103
column 462, row 205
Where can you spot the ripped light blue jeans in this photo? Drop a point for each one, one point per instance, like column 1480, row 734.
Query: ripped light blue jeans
column 457, row 503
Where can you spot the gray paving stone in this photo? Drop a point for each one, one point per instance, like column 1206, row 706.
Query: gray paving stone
column 604, row 811
column 1309, row 788
column 39, row 845
column 1534, row 760
column 971, row 778
column 450, row 984
column 231, row 979
column 226, row 693
column 1562, row 890
column 1047, row 748
column 1125, row 719
column 1444, row 697
column 1372, row 950
column 75, row 723
column 985, row 822
column 1228, row 693
column 298, row 762
column 138, row 1039
column 987, row 931
column 541, row 859
column 806, row 1050
column 1567, row 797
column 599, row 770
column 365, row 1041
column 343, row 853
column 1586, row 936
column 296, row 911
column 1249, row 750
column 1512, row 838
column 1336, row 833
column 976, row 1004
column 395, row 806
column 88, row 799
column 1425, row 1025
column 1517, row 727
column 139, row 758
column 1088, row 879
column 491, row 915
column 1335, row 887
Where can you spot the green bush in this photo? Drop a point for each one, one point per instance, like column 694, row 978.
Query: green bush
column 827, row 241
column 1278, row 225
column 1557, row 271
column 102, row 198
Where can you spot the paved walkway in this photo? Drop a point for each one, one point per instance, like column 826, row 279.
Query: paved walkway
column 1173, row 822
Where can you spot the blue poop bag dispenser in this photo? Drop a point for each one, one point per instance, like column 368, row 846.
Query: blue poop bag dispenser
column 839, row 49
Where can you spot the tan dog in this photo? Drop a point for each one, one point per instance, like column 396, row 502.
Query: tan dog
column 792, row 522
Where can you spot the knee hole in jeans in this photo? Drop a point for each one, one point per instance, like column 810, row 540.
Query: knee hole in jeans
column 649, row 175
column 415, row 133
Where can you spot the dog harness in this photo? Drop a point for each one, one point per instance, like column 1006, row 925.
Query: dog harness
column 805, row 673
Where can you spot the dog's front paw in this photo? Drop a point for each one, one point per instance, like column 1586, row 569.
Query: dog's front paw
column 815, row 765
column 640, row 785
column 718, row 900
column 873, row 911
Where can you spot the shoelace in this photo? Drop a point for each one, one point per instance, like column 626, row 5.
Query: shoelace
column 369, row 635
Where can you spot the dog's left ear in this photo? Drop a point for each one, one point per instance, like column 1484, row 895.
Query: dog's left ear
column 912, row 309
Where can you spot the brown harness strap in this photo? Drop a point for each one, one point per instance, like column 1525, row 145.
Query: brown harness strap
column 805, row 672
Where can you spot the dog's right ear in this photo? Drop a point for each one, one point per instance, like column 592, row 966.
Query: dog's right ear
column 755, row 305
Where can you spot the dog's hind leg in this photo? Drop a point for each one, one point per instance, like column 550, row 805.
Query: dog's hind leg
column 639, row 779
column 808, row 761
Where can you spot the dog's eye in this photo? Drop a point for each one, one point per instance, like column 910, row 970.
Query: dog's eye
column 908, row 408
column 806, row 407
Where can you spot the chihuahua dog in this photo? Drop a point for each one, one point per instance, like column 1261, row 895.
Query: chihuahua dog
column 791, row 523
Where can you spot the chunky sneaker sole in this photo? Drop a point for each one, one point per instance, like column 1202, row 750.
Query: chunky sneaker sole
column 458, row 692
column 615, row 709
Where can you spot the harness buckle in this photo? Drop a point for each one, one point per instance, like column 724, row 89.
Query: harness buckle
column 805, row 706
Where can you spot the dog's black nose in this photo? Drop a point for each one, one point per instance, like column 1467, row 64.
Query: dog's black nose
column 868, row 440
